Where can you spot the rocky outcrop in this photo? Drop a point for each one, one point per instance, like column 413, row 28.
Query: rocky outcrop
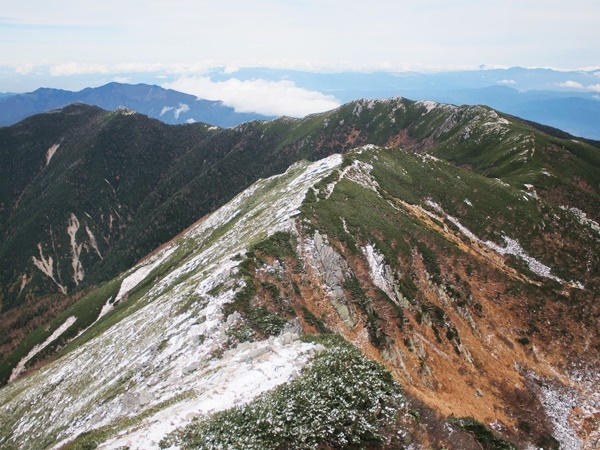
column 332, row 269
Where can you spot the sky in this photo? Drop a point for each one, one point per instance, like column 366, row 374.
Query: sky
column 60, row 43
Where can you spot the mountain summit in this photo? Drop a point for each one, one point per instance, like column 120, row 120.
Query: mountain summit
column 432, row 286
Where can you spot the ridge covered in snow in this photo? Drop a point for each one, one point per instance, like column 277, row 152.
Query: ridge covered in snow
column 167, row 362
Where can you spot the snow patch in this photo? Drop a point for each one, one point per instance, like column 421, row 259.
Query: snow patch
column 142, row 272
column 20, row 367
column 559, row 403
column 512, row 246
column 360, row 173
column 428, row 105
column 581, row 217
column 106, row 308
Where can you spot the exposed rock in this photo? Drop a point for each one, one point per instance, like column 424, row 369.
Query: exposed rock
column 133, row 401
column 381, row 273
column 332, row 268
column 233, row 318
column 192, row 367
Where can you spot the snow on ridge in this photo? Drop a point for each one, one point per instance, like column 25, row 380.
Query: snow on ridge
column 582, row 218
column 428, row 105
column 242, row 374
column 512, row 247
column 123, row 110
column 358, row 172
column 171, row 350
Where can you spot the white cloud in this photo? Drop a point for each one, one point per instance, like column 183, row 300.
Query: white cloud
column 261, row 96
column 165, row 110
column 230, row 69
column 594, row 87
column 571, row 85
column 25, row 69
column 73, row 68
column 76, row 68
column 182, row 108
column 507, row 82
column 575, row 85
column 176, row 111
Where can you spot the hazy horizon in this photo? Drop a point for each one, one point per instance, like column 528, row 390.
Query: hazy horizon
column 200, row 47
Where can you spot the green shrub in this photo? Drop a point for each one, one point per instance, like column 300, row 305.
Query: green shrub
column 342, row 399
column 314, row 321
column 486, row 437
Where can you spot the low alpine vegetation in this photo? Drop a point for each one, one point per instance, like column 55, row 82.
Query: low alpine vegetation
column 341, row 399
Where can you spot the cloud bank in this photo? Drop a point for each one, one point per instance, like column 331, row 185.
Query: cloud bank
column 594, row 87
column 271, row 98
column 572, row 85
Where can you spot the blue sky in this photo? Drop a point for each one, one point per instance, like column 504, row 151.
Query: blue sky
column 60, row 43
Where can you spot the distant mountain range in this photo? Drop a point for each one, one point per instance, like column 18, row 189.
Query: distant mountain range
column 167, row 105
column 569, row 101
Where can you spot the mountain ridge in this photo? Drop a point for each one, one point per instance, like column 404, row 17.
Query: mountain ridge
column 474, row 318
column 108, row 165
column 167, row 105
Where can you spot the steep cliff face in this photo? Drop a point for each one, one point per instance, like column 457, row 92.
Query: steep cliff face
column 477, row 297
